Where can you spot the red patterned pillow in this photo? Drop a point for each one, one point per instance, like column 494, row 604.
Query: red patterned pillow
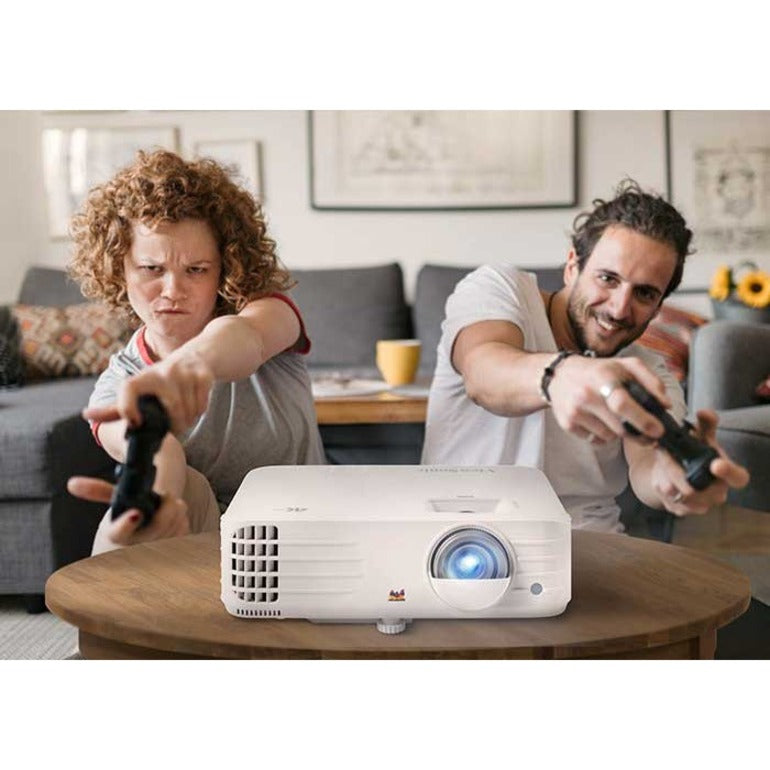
column 669, row 335
column 74, row 341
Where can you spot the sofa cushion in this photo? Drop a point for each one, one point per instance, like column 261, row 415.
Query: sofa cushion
column 669, row 334
column 49, row 286
column 72, row 341
column 727, row 360
column 11, row 367
column 745, row 435
column 748, row 419
column 28, row 419
column 434, row 285
column 347, row 310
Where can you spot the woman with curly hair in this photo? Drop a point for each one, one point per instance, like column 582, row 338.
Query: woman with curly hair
column 183, row 251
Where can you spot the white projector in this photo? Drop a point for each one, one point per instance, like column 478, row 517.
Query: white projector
column 390, row 543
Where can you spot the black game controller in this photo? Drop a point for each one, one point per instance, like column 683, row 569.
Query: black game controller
column 137, row 474
column 690, row 452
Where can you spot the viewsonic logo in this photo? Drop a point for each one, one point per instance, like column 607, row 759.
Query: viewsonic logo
column 450, row 469
column 397, row 596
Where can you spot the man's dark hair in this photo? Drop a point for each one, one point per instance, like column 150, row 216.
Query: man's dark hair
column 642, row 212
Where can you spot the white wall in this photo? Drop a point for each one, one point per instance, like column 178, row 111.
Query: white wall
column 612, row 144
column 23, row 239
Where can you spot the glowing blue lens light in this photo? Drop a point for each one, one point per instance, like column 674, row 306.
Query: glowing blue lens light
column 467, row 563
column 470, row 554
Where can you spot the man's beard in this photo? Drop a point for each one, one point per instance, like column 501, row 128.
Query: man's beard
column 576, row 310
column 577, row 328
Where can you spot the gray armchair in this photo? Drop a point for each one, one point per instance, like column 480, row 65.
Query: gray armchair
column 728, row 359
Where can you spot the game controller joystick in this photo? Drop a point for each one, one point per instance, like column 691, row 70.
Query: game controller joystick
column 136, row 475
column 690, row 452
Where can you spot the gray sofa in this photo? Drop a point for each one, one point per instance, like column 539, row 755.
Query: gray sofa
column 43, row 441
column 728, row 359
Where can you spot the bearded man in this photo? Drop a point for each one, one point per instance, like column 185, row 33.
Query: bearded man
column 527, row 377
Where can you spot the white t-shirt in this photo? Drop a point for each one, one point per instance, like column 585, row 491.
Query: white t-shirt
column 586, row 478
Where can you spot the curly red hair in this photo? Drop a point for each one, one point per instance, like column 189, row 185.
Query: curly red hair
column 161, row 187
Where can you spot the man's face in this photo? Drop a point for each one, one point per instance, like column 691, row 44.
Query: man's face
column 619, row 290
column 172, row 278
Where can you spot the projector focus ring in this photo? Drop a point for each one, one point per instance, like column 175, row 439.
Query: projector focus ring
column 470, row 554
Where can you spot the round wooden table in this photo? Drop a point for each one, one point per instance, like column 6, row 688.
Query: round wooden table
column 631, row 598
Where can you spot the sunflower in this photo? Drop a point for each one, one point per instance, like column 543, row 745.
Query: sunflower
column 754, row 289
column 721, row 283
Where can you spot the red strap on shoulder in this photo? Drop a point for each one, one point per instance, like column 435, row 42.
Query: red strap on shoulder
column 302, row 345
column 144, row 351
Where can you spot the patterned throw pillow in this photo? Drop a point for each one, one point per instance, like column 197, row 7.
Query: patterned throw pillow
column 669, row 335
column 74, row 341
column 11, row 369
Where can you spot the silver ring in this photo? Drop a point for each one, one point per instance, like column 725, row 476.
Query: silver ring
column 677, row 498
column 607, row 389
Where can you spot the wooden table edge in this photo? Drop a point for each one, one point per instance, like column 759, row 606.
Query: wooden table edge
column 145, row 643
column 119, row 633
column 353, row 411
column 101, row 648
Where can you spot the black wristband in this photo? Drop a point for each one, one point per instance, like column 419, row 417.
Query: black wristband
column 549, row 372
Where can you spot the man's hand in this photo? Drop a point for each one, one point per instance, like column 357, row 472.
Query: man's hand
column 669, row 481
column 170, row 520
column 587, row 398
column 181, row 383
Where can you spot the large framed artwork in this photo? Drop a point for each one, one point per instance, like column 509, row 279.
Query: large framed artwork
column 719, row 178
column 443, row 159
column 77, row 159
column 242, row 155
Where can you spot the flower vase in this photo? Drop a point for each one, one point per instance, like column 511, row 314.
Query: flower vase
column 734, row 310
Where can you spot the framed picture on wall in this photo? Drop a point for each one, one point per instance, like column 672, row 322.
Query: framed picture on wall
column 443, row 159
column 77, row 159
column 719, row 178
column 243, row 156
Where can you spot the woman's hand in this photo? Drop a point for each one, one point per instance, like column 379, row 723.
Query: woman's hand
column 181, row 383
column 170, row 520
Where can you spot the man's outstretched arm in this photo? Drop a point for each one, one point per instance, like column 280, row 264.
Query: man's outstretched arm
column 502, row 377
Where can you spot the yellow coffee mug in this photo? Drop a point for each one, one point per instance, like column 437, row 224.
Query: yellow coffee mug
column 398, row 360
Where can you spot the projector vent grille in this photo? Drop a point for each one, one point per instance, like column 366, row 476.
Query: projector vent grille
column 258, row 613
column 254, row 566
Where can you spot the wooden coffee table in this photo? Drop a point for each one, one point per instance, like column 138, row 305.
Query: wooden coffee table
column 631, row 598
column 377, row 408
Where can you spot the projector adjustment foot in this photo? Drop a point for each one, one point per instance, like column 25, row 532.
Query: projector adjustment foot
column 392, row 626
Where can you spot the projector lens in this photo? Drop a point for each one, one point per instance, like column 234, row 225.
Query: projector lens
column 470, row 554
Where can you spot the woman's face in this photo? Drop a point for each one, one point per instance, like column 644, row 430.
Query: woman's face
column 172, row 277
